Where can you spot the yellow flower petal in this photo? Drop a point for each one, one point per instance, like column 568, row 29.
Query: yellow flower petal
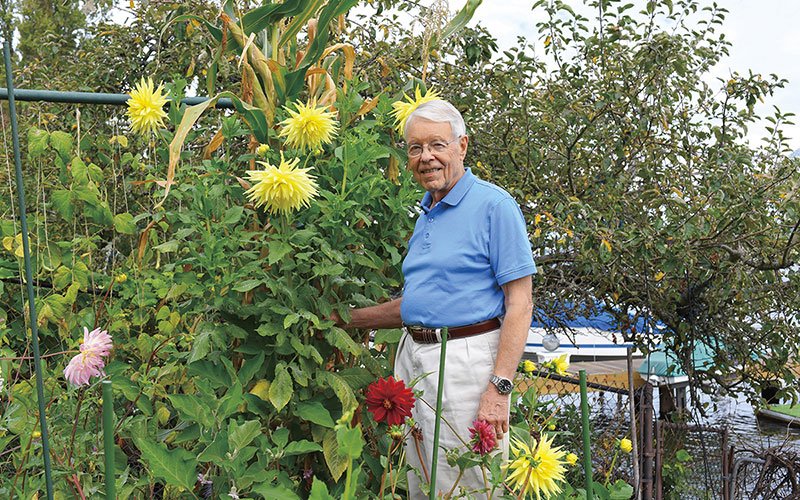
column 145, row 107
column 537, row 470
column 403, row 109
column 283, row 188
column 309, row 127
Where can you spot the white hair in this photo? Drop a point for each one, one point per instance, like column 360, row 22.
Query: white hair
column 438, row 111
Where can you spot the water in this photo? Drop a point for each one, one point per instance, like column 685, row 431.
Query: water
column 747, row 432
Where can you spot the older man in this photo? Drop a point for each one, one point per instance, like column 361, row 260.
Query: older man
column 468, row 268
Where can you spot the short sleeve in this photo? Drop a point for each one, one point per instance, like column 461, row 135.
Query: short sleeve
column 509, row 248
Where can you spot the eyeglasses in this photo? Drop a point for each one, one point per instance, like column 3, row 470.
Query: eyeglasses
column 415, row 150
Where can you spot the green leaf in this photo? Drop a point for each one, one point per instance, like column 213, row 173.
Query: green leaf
column 37, row 141
column 620, row 490
column 341, row 340
column 192, row 408
column 301, row 448
column 177, row 467
column 270, row 491
column 62, row 278
column 341, row 388
column 215, row 452
column 246, row 285
column 167, row 246
column 319, row 491
column 290, row 319
column 313, row 411
column 62, row 143
column 124, row 223
column 240, row 436
column 233, row 215
column 350, row 441
column 277, row 251
column 336, row 461
column 280, row 437
column 62, row 201
column 250, row 367
column 229, row 404
column 388, row 336
column 201, row 345
column 281, row 389
column 79, row 172
column 80, row 273
column 461, row 19
column 95, row 173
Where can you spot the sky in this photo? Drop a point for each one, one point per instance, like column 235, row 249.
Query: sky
column 765, row 37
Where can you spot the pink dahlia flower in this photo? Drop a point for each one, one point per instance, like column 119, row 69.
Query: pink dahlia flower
column 482, row 436
column 89, row 362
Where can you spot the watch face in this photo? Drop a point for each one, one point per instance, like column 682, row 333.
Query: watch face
column 504, row 386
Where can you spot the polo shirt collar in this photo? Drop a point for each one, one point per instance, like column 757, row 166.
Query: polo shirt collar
column 455, row 195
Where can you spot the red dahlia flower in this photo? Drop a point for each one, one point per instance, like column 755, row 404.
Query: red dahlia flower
column 482, row 437
column 389, row 401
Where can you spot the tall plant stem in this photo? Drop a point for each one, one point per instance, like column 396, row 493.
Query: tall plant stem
column 75, row 426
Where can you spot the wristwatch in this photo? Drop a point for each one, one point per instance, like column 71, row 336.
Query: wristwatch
column 503, row 385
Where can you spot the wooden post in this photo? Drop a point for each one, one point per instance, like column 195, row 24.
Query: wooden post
column 647, row 443
column 634, row 435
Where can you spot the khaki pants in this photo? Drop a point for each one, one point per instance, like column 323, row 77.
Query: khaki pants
column 468, row 367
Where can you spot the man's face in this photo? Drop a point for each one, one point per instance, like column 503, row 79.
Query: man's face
column 436, row 172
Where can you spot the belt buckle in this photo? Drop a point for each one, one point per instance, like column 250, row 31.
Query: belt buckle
column 428, row 335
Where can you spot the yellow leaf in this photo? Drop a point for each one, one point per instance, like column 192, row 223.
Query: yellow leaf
column 548, row 41
column 537, row 233
column 261, row 389
column 605, row 243
column 659, row 276
column 537, row 219
column 8, row 243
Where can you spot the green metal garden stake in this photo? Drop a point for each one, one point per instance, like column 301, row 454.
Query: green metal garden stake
column 108, row 439
column 587, row 446
column 437, row 424
column 26, row 248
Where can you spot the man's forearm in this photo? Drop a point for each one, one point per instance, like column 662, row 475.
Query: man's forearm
column 514, row 332
column 386, row 315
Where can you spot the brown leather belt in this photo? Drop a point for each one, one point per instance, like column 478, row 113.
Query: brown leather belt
column 425, row 335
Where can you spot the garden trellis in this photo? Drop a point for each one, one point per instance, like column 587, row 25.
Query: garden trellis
column 12, row 95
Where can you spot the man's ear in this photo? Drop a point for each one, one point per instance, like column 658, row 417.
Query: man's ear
column 463, row 142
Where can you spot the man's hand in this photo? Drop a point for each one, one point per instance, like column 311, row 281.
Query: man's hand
column 337, row 320
column 494, row 409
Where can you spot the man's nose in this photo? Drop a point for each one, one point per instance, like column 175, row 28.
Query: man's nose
column 427, row 154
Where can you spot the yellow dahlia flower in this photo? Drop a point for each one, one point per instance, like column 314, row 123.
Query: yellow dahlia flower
column 625, row 445
column 146, row 107
column 536, row 470
column 403, row 109
column 309, row 127
column 283, row 188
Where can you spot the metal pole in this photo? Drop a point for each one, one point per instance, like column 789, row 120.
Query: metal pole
column 91, row 97
column 37, row 362
column 634, row 436
column 587, row 446
column 437, row 423
column 108, row 439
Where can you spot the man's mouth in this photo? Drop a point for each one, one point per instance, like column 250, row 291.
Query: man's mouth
column 426, row 171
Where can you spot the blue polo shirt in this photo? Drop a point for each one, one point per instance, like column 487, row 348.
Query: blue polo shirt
column 461, row 253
